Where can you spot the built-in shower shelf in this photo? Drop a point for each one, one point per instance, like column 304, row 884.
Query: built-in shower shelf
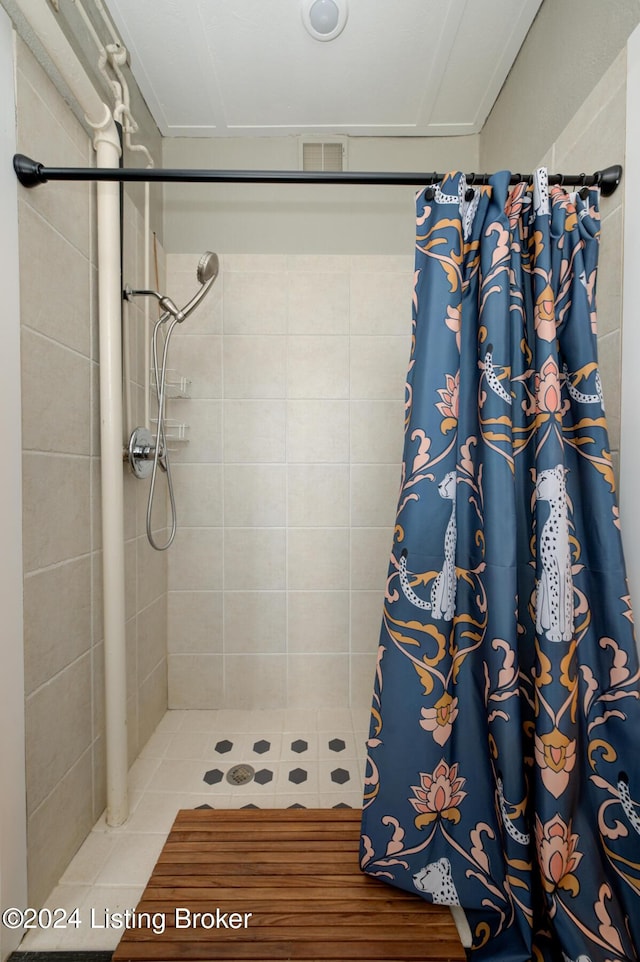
column 175, row 385
column 175, row 432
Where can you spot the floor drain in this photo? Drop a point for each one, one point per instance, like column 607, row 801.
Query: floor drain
column 240, row 774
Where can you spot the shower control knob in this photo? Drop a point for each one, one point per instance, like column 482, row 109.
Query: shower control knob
column 140, row 452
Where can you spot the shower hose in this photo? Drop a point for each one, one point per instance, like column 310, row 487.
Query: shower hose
column 161, row 453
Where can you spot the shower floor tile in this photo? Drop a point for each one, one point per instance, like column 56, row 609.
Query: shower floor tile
column 310, row 762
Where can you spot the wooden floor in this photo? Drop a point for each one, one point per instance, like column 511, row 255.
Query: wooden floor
column 296, row 871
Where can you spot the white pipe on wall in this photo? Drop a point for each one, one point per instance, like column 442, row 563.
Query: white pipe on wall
column 109, row 306
column 45, row 26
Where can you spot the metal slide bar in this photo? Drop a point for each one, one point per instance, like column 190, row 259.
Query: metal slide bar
column 30, row 173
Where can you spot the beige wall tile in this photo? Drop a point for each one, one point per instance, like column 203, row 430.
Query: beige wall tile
column 255, row 495
column 198, row 492
column 255, row 303
column 204, row 418
column 379, row 367
column 254, row 366
column 381, row 303
column 195, row 681
column 318, row 621
column 255, row 621
column 57, row 828
column 366, row 619
column 318, row 681
column 99, row 770
column 255, row 681
column 195, row 560
column 254, row 558
column 256, row 263
column 318, row 366
column 377, row 432
column 318, row 303
column 152, row 637
column 56, row 739
column 609, row 296
column 58, row 304
column 381, row 263
column 56, row 509
column 194, row 622
column 363, row 669
column 610, row 363
column 374, row 494
column 97, row 691
column 199, row 358
column 52, row 643
column 41, row 135
column 151, row 573
column 318, row 264
column 318, row 558
column 318, row 495
column 254, row 431
column 152, row 702
column 370, row 549
column 55, row 391
column 317, row 431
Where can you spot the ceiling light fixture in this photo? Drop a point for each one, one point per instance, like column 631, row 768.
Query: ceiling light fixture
column 324, row 19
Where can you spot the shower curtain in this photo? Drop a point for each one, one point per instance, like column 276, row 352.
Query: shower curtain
column 503, row 769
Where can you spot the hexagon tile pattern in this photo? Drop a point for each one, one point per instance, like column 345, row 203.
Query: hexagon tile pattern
column 213, row 776
column 263, row 776
column 340, row 775
column 297, row 776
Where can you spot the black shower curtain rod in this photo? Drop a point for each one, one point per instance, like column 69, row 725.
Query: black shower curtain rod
column 30, row 173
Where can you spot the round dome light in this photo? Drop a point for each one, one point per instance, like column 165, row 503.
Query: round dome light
column 324, row 19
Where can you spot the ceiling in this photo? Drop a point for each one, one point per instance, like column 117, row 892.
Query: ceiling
column 213, row 68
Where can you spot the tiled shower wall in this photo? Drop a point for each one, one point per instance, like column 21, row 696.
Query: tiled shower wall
column 64, row 657
column 287, row 487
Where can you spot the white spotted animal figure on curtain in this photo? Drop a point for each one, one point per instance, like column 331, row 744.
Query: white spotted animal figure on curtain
column 435, row 879
column 554, row 604
column 443, row 591
column 628, row 805
column 492, row 378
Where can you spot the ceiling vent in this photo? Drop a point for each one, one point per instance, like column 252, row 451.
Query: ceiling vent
column 323, row 155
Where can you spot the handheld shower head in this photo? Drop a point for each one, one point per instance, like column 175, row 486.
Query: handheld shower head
column 208, row 267
column 206, row 273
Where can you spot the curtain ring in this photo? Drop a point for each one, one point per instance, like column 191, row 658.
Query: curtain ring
column 597, row 178
column 584, row 190
column 471, row 179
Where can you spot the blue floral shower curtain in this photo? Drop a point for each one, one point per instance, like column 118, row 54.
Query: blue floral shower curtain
column 503, row 770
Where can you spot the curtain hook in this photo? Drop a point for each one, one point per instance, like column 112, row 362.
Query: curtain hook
column 584, row 190
column 597, row 178
column 470, row 193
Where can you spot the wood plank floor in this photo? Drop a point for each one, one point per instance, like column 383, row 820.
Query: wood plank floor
column 296, row 872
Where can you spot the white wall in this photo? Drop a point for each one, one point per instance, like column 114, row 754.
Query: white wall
column 294, row 218
column 13, row 851
column 568, row 49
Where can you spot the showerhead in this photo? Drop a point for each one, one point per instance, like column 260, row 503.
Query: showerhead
column 208, row 267
column 206, row 272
